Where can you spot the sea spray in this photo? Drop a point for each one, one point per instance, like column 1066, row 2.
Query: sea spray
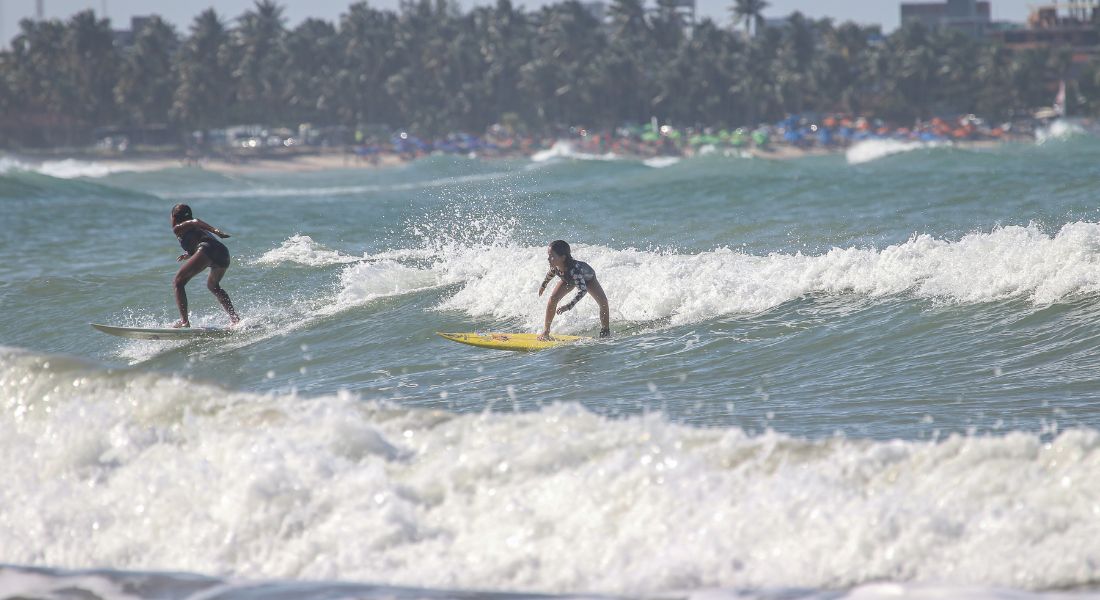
column 870, row 150
column 335, row 487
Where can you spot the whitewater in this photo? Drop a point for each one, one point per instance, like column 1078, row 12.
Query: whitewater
column 869, row 375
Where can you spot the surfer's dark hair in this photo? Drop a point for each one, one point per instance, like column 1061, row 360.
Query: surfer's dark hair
column 181, row 213
column 561, row 248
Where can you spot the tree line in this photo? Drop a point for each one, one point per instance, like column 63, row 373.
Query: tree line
column 433, row 68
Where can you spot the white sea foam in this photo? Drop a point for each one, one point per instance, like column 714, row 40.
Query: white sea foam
column 870, row 150
column 660, row 162
column 499, row 280
column 147, row 471
column 1060, row 129
column 367, row 281
column 361, row 281
column 301, row 249
column 565, row 150
column 358, row 284
column 71, row 168
column 1007, row 262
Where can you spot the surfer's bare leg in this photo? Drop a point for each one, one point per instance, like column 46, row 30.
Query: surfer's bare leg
column 596, row 291
column 213, row 283
column 552, row 307
column 192, row 267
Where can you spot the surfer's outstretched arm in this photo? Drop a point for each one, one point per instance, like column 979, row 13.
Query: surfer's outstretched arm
column 186, row 226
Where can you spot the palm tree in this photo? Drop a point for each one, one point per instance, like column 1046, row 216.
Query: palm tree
column 845, row 64
column 695, row 82
column 560, row 81
column 205, row 93
column 749, row 12
column 260, row 59
column 504, row 37
column 796, row 55
column 147, row 80
column 35, row 64
column 668, row 26
column 369, row 59
column 313, row 59
column 90, row 65
column 428, row 45
column 995, row 98
column 755, row 82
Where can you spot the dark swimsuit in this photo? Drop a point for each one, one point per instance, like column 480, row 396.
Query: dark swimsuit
column 578, row 275
column 196, row 239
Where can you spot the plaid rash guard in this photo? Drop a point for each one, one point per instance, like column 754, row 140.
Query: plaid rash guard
column 577, row 274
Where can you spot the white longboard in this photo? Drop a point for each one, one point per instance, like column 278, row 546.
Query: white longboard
column 163, row 333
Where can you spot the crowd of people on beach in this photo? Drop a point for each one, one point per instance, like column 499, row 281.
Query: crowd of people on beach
column 796, row 132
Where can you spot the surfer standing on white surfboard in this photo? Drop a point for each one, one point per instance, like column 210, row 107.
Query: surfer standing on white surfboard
column 201, row 250
column 573, row 274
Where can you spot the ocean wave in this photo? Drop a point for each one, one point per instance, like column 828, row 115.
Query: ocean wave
column 358, row 284
column 301, row 249
column 71, row 168
column 148, row 471
column 497, row 279
column 342, row 190
column 660, row 162
column 1060, row 129
column 870, row 150
column 565, row 150
column 643, row 286
column 367, row 281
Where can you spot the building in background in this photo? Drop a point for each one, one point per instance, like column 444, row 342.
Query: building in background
column 597, row 9
column 124, row 38
column 973, row 17
column 1071, row 24
column 686, row 10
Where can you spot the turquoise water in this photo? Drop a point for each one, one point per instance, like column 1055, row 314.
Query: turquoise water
column 825, row 373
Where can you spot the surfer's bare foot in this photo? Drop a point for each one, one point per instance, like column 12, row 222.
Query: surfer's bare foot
column 605, row 333
column 181, row 324
column 234, row 321
column 544, row 337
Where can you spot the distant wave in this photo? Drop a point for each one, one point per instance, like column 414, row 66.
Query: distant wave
column 870, row 150
column 660, row 162
column 559, row 500
column 565, row 150
column 71, row 168
column 345, row 190
column 19, row 180
column 1061, row 129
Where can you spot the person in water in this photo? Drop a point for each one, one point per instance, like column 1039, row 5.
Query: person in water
column 201, row 250
column 573, row 274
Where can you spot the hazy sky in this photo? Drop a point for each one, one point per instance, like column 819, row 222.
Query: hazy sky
column 883, row 12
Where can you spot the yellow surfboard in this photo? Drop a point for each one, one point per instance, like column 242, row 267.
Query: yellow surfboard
column 521, row 342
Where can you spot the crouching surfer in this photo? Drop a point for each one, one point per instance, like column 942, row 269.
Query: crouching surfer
column 574, row 274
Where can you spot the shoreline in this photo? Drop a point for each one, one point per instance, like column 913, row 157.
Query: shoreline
column 142, row 160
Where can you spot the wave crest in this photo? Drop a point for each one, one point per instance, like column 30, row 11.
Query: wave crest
column 1005, row 263
column 301, row 249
